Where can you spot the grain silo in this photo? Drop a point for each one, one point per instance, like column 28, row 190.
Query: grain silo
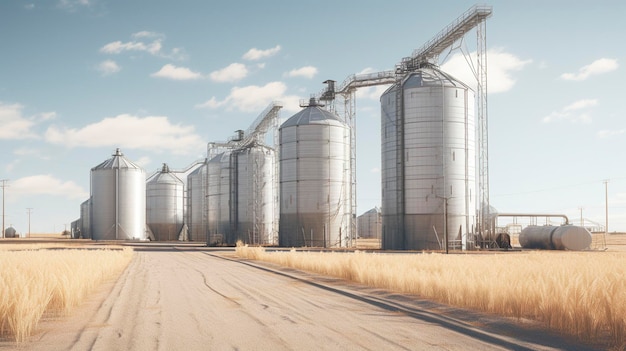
column 197, row 197
column 314, row 179
column 84, row 229
column 428, row 162
column 219, row 197
column 118, row 200
column 369, row 224
column 165, row 205
column 254, row 191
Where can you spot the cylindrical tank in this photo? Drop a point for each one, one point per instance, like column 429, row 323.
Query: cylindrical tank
column 10, row 232
column 256, row 216
column 197, row 193
column 314, row 179
column 220, row 192
column 369, row 224
column 85, row 224
column 428, row 162
column 565, row 237
column 118, row 200
column 165, row 205
column 213, row 199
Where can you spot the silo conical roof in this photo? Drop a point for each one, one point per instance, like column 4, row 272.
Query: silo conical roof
column 117, row 161
column 165, row 176
column 313, row 114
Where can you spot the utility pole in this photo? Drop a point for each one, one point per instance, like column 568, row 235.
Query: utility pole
column 29, row 211
column 4, row 185
column 582, row 221
column 606, row 207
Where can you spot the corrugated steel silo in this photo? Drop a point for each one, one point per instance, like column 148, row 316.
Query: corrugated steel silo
column 428, row 162
column 256, row 217
column 314, row 179
column 369, row 224
column 118, row 200
column 220, row 172
column 165, row 205
column 213, row 199
column 85, row 220
column 197, row 193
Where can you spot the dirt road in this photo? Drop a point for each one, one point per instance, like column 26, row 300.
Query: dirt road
column 194, row 298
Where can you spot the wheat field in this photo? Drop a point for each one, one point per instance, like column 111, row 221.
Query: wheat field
column 582, row 294
column 38, row 281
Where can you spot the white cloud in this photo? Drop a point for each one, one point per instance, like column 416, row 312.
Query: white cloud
column 254, row 98
column 232, row 73
column 599, row 66
column 143, row 161
column 155, row 47
column 610, row 133
column 45, row 184
column 154, row 133
column 14, row 125
column 572, row 112
column 108, row 67
column 72, row 5
column 147, row 34
column 375, row 170
column 372, row 93
column 29, row 6
column 500, row 68
column 256, row 54
column 306, row 72
column 176, row 73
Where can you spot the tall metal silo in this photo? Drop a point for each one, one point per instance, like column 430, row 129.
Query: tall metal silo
column 197, row 197
column 369, row 224
column 165, row 205
column 428, row 162
column 85, row 220
column 219, row 211
column 118, row 200
column 255, row 219
column 314, row 179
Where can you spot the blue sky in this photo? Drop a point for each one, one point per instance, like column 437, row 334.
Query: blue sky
column 159, row 79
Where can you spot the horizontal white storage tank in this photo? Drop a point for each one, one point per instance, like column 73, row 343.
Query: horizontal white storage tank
column 565, row 237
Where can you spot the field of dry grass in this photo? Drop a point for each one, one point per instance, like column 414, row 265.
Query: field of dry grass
column 43, row 278
column 582, row 294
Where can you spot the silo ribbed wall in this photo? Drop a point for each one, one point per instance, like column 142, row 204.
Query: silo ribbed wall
column 165, row 205
column 118, row 195
column 197, row 192
column 436, row 163
column 314, row 179
column 256, row 217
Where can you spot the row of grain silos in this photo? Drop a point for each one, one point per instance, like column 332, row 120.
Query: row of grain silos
column 234, row 195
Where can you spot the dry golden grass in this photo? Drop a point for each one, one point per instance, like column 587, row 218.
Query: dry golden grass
column 579, row 293
column 34, row 282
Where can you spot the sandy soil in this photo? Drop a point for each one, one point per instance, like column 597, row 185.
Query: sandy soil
column 194, row 298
